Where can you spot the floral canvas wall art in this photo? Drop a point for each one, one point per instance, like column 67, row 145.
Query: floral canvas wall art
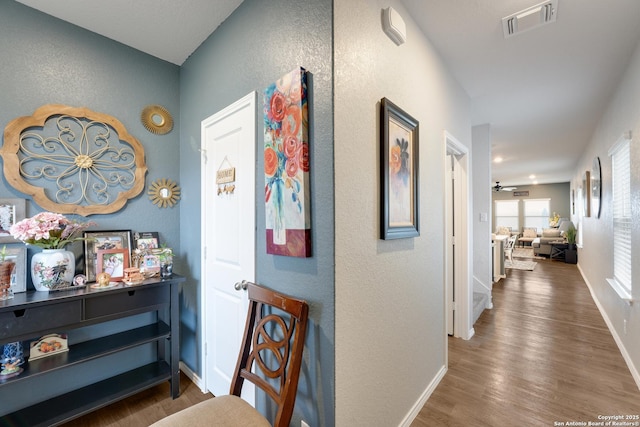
column 286, row 166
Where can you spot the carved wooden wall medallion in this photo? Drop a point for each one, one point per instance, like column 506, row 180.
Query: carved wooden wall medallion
column 73, row 160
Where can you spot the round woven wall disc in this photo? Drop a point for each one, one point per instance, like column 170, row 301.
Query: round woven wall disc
column 156, row 119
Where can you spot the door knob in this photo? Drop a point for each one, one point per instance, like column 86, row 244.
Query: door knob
column 241, row 285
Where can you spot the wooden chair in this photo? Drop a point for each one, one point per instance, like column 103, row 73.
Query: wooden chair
column 267, row 342
column 509, row 246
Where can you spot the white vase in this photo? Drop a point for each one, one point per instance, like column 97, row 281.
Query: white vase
column 52, row 269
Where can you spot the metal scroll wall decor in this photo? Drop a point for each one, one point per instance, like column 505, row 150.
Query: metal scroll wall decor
column 73, row 160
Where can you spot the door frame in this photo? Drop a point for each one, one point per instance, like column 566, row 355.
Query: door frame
column 462, row 326
column 248, row 101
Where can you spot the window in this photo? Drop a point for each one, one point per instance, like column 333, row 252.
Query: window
column 536, row 213
column 621, row 182
column 507, row 214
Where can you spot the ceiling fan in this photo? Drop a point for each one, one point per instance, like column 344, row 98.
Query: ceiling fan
column 499, row 187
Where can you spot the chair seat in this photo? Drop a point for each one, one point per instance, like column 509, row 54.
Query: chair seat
column 223, row 411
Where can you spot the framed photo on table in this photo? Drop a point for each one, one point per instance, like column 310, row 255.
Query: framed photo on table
column 11, row 211
column 103, row 240
column 399, row 173
column 19, row 276
column 113, row 262
column 146, row 240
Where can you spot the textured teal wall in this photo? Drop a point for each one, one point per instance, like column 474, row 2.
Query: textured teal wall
column 44, row 60
column 255, row 46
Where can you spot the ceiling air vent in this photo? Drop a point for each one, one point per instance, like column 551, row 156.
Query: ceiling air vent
column 530, row 18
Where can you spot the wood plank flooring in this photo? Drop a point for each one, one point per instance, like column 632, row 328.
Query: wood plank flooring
column 542, row 356
column 144, row 408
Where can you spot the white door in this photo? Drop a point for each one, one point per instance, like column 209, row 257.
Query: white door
column 458, row 266
column 228, row 238
column 450, row 231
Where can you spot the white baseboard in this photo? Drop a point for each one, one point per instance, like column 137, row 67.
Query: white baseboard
column 193, row 377
column 415, row 410
column 623, row 350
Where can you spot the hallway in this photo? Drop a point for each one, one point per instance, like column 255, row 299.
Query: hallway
column 543, row 356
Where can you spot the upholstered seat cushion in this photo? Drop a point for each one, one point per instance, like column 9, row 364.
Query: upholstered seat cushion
column 504, row 231
column 223, row 411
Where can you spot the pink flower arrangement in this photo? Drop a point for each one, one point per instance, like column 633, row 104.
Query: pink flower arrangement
column 48, row 230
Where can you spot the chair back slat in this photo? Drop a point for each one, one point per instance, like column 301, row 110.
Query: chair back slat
column 272, row 347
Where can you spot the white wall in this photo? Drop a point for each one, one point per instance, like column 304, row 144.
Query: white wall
column 390, row 331
column 481, row 168
column 595, row 259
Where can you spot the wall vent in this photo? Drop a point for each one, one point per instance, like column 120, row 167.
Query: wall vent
column 530, row 18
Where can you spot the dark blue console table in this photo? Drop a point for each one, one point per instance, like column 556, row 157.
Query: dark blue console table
column 31, row 315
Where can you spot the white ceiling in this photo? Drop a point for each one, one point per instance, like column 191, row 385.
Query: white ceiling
column 168, row 29
column 541, row 91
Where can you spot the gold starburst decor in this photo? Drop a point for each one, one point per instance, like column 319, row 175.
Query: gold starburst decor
column 73, row 160
column 156, row 119
column 164, row 193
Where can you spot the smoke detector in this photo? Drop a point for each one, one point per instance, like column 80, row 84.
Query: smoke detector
column 530, row 18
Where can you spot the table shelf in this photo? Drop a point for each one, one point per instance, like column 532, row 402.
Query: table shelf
column 30, row 315
column 79, row 402
column 89, row 350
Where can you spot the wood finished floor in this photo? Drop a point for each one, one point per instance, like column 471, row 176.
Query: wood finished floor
column 543, row 355
column 144, row 408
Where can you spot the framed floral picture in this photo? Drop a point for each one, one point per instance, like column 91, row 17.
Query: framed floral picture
column 399, row 173
column 287, row 166
column 11, row 211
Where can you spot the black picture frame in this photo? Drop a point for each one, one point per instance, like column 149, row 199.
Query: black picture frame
column 399, row 170
column 596, row 188
column 146, row 240
column 103, row 240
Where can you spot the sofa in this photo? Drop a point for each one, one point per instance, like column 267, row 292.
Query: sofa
column 542, row 245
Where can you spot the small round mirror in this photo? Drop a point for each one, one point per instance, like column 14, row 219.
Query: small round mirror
column 156, row 119
column 164, row 193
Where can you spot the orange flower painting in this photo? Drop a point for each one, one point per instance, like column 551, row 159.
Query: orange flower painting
column 286, row 166
column 399, row 139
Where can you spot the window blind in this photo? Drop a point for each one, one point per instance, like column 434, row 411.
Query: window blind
column 507, row 214
column 536, row 213
column 621, row 177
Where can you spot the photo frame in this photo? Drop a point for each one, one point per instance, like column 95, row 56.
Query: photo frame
column 18, row 255
column 586, row 194
column 11, row 211
column 146, row 240
column 399, row 171
column 150, row 264
column 113, row 262
column 103, row 240
column 596, row 187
